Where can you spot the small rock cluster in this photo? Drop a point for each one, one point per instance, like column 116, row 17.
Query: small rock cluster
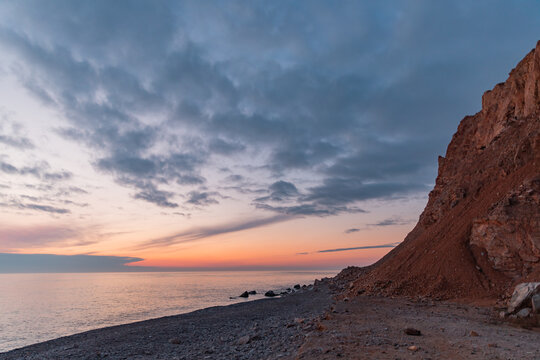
column 272, row 293
column 525, row 301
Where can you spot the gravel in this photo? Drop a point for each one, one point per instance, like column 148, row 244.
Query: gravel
column 259, row 329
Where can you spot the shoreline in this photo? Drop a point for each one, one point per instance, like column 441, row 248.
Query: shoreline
column 213, row 333
column 310, row 324
column 73, row 308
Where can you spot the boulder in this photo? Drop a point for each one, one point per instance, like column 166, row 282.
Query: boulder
column 522, row 293
column 297, row 286
column 523, row 313
column 413, row 332
column 535, row 303
column 245, row 294
column 270, row 293
column 252, row 292
column 243, row 340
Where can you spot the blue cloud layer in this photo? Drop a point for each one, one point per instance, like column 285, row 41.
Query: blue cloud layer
column 353, row 101
column 38, row 263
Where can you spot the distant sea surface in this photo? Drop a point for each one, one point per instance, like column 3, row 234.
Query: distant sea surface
column 40, row 307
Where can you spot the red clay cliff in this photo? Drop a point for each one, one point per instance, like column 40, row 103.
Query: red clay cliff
column 479, row 234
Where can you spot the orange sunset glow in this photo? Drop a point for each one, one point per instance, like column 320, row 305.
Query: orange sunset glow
column 196, row 147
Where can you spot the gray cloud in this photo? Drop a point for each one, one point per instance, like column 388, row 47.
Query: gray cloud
column 302, row 205
column 155, row 196
column 392, row 245
column 235, row 178
column 280, row 191
column 57, row 176
column 27, row 236
column 13, row 137
column 31, row 206
column 45, row 208
column 13, row 238
column 393, row 221
column 17, row 142
column 206, row 232
column 70, row 191
column 51, row 195
column 203, row 198
column 365, row 109
column 8, row 168
column 223, row 147
column 39, row 171
column 37, row 263
column 336, row 191
column 310, row 209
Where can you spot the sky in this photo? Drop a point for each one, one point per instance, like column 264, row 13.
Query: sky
column 237, row 134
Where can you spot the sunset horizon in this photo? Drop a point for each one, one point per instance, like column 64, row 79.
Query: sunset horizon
column 286, row 179
column 164, row 152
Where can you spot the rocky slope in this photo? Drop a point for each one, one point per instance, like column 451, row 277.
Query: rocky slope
column 479, row 234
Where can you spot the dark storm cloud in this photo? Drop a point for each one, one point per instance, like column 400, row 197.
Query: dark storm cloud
column 362, row 96
column 206, row 232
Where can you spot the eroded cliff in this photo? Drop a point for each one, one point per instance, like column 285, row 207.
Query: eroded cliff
column 480, row 231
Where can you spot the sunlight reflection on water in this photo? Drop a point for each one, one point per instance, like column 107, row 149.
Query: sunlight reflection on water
column 39, row 307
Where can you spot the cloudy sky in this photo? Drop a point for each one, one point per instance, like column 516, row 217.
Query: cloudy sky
column 237, row 133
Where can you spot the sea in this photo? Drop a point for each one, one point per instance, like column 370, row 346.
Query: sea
column 40, row 307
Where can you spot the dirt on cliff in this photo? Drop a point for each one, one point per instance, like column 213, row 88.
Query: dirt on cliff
column 479, row 234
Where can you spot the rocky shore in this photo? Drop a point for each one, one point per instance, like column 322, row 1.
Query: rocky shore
column 312, row 323
column 270, row 328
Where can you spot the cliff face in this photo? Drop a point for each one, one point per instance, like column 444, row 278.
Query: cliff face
column 480, row 231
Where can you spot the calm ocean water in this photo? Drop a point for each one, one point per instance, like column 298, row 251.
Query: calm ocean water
column 39, row 307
